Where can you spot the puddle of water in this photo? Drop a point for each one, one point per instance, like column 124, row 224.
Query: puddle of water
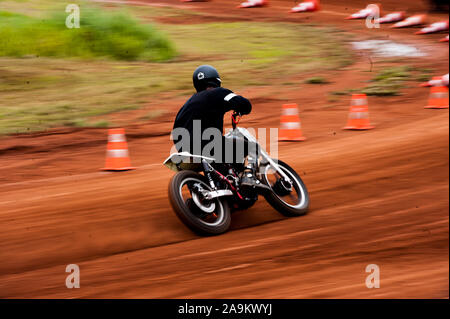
column 387, row 48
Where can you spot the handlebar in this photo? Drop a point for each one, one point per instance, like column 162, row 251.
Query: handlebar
column 235, row 119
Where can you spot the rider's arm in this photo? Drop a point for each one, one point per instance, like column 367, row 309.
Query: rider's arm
column 236, row 103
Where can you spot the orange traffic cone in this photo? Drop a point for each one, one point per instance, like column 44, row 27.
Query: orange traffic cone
column 411, row 21
column 117, row 157
column 307, row 6
column 253, row 3
column 370, row 10
column 444, row 39
column 290, row 124
column 392, row 17
column 434, row 27
column 435, row 81
column 358, row 118
column 438, row 98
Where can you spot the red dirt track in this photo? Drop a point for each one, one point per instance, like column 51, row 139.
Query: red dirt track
column 377, row 197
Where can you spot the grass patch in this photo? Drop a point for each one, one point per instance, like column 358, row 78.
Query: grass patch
column 424, row 75
column 255, row 53
column 75, row 123
column 151, row 115
column 389, row 81
column 316, row 80
column 101, row 124
column 344, row 92
column 116, row 35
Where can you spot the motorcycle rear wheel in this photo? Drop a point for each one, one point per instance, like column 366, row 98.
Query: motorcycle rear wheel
column 199, row 220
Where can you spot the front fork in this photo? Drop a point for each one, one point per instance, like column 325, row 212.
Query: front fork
column 272, row 163
column 207, row 169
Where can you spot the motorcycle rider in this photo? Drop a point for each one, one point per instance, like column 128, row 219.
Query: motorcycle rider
column 209, row 105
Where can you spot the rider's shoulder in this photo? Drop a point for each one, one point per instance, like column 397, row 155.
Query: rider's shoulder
column 221, row 92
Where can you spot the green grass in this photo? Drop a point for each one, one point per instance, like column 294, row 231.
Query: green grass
column 43, row 92
column 424, row 74
column 101, row 34
column 255, row 53
column 389, row 81
column 344, row 92
column 150, row 115
column 316, row 80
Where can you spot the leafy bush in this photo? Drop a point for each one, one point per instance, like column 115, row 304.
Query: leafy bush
column 101, row 34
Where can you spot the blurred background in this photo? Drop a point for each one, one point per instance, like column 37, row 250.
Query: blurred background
column 122, row 55
column 377, row 196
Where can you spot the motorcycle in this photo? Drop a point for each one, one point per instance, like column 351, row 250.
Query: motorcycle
column 203, row 193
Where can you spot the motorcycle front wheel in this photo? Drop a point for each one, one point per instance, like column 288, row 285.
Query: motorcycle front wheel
column 289, row 203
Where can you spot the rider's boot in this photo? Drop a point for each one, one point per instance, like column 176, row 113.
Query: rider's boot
column 250, row 182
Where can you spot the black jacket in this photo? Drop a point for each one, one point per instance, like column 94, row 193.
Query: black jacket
column 210, row 106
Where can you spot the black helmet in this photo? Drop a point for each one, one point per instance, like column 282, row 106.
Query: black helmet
column 205, row 76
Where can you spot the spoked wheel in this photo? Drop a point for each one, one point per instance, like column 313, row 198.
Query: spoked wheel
column 205, row 217
column 289, row 200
